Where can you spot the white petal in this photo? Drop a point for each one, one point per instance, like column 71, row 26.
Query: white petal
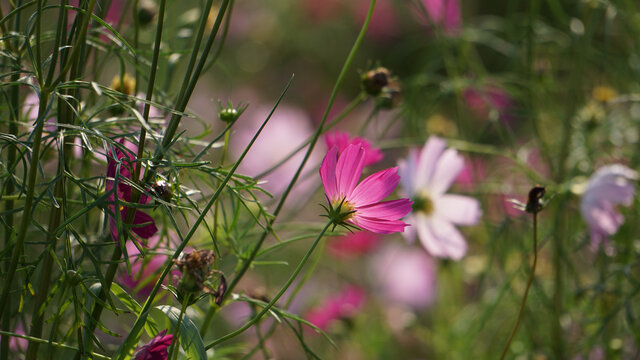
column 458, row 209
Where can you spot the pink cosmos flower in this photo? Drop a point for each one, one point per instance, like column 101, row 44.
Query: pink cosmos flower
column 143, row 224
column 489, row 98
column 609, row 186
column 144, row 271
column 341, row 306
column 444, row 13
column 353, row 244
column 426, row 175
column 156, row 349
column 406, row 275
column 360, row 205
column 342, row 140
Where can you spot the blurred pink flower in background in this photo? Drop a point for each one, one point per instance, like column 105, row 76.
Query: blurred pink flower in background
column 609, row 186
column 360, row 204
column 143, row 224
column 16, row 344
column 342, row 139
column 322, row 10
column 426, row 175
column 473, row 172
column 340, row 306
column 353, row 244
column 443, row 13
column 384, row 24
column 489, row 98
column 288, row 128
column 144, row 271
column 156, row 349
column 405, row 275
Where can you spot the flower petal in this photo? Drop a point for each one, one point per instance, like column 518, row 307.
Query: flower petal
column 349, row 169
column 375, row 187
column 447, row 169
column 328, row 173
column 427, row 162
column 387, row 210
column 380, row 226
column 458, row 209
column 144, row 231
column 440, row 237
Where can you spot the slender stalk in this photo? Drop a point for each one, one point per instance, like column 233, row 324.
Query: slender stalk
column 343, row 72
column 526, row 290
column 175, row 342
column 284, row 288
column 28, row 203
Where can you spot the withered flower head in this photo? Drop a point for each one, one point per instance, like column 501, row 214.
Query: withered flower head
column 196, row 269
column 163, row 190
column 534, row 200
column 373, row 81
column 147, row 11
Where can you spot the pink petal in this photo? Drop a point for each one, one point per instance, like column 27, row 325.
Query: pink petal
column 447, row 169
column 427, row 163
column 349, row 169
column 440, row 238
column 387, row 210
column 328, row 173
column 144, row 231
column 458, row 209
column 375, row 187
column 380, row 226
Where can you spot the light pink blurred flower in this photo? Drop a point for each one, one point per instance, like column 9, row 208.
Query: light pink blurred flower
column 405, row 275
column 473, row 172
column 360, row 205
column 489, row 98
column 426, row 175
column 16, row 344
column 353, row 244
column 340, row 306
column 156, row 349
column 444, row 13
column 609, row 186
column 288, row 128
column 343, row 139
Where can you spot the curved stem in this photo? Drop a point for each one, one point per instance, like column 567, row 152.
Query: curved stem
column 526, row 290
column 280, row 293
column 175, row 342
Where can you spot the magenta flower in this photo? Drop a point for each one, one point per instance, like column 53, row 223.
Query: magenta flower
column 353, row 244
column 489, row 98
column 342, row 140
column 356, row 204
column 341, row 306
column 405, row 275
column 609, row 186
column 156, row 349
column 143, row 224
column 444, row 13
column 426, row 176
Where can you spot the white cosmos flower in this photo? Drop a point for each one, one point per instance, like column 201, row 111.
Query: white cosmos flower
column 426, row 175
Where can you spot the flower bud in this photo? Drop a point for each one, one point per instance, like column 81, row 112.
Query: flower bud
column 147, row 10
column 230, row 113
column 163, row 190
column 196, row 269
column 373, row 81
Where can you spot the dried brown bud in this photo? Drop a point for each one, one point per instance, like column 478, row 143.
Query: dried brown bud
column 373, row 81
column 534, row 204
column 162, row 190
column 196, row 269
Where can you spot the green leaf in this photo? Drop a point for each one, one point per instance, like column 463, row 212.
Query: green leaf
column 189, row 335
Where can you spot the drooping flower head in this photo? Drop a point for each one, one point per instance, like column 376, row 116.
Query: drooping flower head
column 426, row 175
column 156, row 349
column 611, row 185
column 341, row 306
column 342, row 140
column 353, row 204
column 121, row 164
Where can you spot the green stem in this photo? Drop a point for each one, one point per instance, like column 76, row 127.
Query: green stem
column 284, row 288
column 28, row 203
column 526, row 290
column 175, row 342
